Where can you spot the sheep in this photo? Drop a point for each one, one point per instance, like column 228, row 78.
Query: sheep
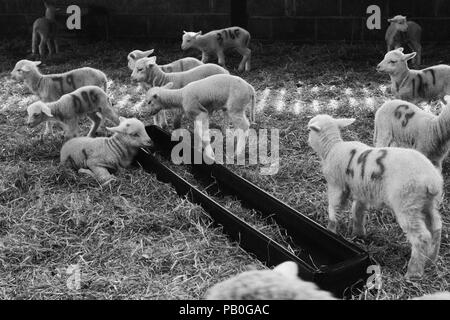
column 146, row 70
column 180, row 65
column 280, row 283
column 98, row 157
column 402, row 124
column 402, row 179
column 228, row 93
column 217, row 41
column 51, row 87
column 415, row 85
column 68, row 109
column 45, row 28
column 401, row 32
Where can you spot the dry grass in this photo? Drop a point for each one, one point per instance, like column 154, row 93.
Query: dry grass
column 137, row 238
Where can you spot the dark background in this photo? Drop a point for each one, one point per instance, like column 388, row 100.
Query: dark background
column 295, row 20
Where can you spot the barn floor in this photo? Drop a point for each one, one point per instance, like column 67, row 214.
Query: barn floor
column 136, row 239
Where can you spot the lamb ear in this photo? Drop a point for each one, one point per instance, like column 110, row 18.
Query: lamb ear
column 288, row 269
column 46, row 110
column 389, row 20
column 314, row 127
column 168, row 85
column 184, row 31
column 344, row 122
column 114, row 129
column 198, row 33
column 446, row 100
column 400, row 49
column 151, row 60
column 148, row 52
column 409, row 56
column 36, row 63
column 122, row 119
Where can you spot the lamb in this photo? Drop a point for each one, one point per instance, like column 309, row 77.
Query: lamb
column 98, row 157
column 281, row 283
column 45, row 28
column 415, row 85
column 180, row 65
column 217, row 41
column 146, row 70
column 402, row 124
column 401, row 33
column 52, row 86
column 402, row 179
column 224, row 92
column 67, row 110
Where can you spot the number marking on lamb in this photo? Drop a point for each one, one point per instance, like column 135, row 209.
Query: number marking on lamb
column 349, row 170
column 219, row 38
column 378, row 175
column 433, row 75
column 61, row 85
column 70, row 82
column 77, row 104
column 408, row 115
column 362, row 159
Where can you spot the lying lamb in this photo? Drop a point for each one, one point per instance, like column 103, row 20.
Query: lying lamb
column 67, row 110
column 146, row 70
column 415, row 85
column 404, row 33
column 180, row 65
column 44, row 32
column 217, row 41
column 224, row 92
column 100, row 156
column 403, row 179
column 402, row 124
column 281, row 283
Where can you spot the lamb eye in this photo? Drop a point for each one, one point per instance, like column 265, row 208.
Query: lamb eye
column 140, row 69
column 155, row 96
column 392, row 61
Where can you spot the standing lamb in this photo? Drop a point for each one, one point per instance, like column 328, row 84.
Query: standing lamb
column 402, row 33
column 44, row 32
column 217, row 42
column 200, row 98
column 146, row 70
column 281, row 283
column 51, row 87
column 402, row 179
column 180, row 65
column 402, row 124
column 67, row 110
column 100, row 156
column 415, row 85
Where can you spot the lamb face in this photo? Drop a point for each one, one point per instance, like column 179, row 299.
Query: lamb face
column 399, row 23
column 395, row 61
column 141, row 69
column 153, row 102
column 135, row 55
column 133, row 132
column 37, row 112
column 22, row 68
column 188, row 39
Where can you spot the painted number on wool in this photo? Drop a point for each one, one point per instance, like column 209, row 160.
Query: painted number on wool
column 362, row 160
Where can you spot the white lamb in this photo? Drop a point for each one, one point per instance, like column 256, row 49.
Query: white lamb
column 281, row 283
column 200, row 98
column 180, row 65
column 51, row 87
column 402, row 124
column 87, row 101
column 404, row 33
column 100, row 156
column 402, row 179
column 415, row 85
column 217, row 42
column 146, row 70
